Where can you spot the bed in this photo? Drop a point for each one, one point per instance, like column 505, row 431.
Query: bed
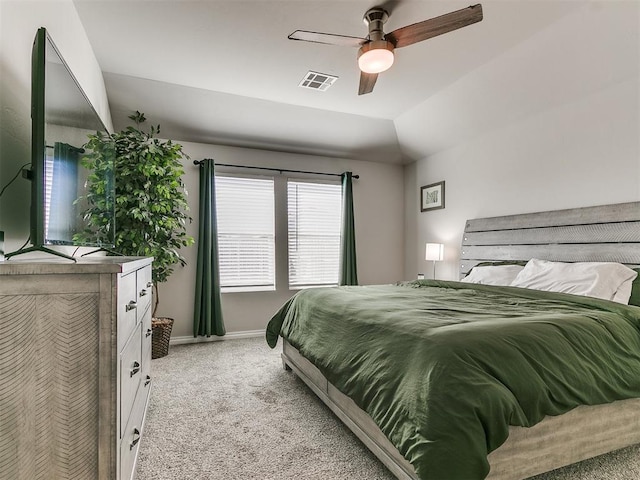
column 536, row 422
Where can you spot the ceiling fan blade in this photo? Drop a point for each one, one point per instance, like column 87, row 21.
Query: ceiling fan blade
column 367, row 82
column 433, row 27
column 328, row 38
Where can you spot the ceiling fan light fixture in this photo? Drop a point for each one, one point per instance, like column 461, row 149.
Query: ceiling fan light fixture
column 376, row 56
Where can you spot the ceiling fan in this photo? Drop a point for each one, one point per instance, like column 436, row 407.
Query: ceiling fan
column 375, row 54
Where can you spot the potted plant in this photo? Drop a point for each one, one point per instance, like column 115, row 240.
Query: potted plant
column 150, row 205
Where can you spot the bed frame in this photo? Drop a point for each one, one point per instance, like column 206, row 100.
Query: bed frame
column 608, row 233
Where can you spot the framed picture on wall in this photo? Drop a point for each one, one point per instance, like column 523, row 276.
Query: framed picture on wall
column 432, row 197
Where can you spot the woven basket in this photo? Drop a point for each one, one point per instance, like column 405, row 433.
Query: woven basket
column 161, row 328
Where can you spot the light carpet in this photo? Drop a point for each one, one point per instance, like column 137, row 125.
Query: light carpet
column 228, row 410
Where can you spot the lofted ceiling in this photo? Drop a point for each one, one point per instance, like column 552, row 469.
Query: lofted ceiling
column 224, row 72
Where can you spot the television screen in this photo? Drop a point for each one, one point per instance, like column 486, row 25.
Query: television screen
column 72, row 201
column 77, row 199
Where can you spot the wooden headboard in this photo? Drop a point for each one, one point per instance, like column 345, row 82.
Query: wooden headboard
column 607, row 233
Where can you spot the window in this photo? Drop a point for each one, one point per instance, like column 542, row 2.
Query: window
column 314, row 219
column 48, row 183
column 246, row 237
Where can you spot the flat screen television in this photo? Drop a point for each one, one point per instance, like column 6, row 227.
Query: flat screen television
column 72, row 187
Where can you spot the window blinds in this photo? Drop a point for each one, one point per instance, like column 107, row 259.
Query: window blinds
column 314, row 218
column 246, row 235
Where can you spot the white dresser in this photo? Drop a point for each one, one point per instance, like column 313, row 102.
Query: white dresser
column 75, row 367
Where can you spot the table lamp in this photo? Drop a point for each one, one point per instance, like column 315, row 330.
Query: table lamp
column 435, row 253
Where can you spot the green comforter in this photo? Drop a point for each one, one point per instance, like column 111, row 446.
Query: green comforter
column 444, row 368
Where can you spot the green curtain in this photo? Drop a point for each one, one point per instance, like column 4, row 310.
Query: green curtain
column 207, row 316
column 348, row 264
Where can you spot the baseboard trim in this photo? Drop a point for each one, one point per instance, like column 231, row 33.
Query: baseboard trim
column 216, row 338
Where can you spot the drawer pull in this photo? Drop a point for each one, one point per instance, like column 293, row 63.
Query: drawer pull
column 136, row 438
column 143, row 292
column 131, row 305
column 149, row 284
column 147, row 381
column 149, row 332
column 135, row 368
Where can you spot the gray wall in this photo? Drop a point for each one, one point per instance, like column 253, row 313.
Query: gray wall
column 378, row 208
column 378, row 195
column 552, row 124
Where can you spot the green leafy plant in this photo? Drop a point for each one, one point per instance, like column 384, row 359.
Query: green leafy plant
column 97, row 204
column 151, row 200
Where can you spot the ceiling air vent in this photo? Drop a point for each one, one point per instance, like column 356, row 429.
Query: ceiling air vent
column 317, row 81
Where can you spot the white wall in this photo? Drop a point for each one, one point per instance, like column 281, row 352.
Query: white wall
column 19, row 21
column 554, row 123
column 379, row 221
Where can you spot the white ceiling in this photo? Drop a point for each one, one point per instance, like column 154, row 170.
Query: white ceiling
column 224, row 71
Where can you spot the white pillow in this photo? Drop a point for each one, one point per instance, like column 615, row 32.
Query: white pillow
column 623, row 294
column 591, row 279
column 494, row 274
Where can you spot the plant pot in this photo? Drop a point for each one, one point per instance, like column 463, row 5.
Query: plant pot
column 161, row 328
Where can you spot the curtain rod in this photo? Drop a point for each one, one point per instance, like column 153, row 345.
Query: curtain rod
column 200, row 162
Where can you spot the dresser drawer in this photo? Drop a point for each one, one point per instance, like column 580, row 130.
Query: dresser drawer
column 127, row 308
column 132, row 433
column 130, row 374
column 147, row 335
column 144, row 288
column 129, row 452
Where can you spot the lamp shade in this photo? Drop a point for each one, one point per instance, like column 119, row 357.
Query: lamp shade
column 375, row 57
column 434, row 252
